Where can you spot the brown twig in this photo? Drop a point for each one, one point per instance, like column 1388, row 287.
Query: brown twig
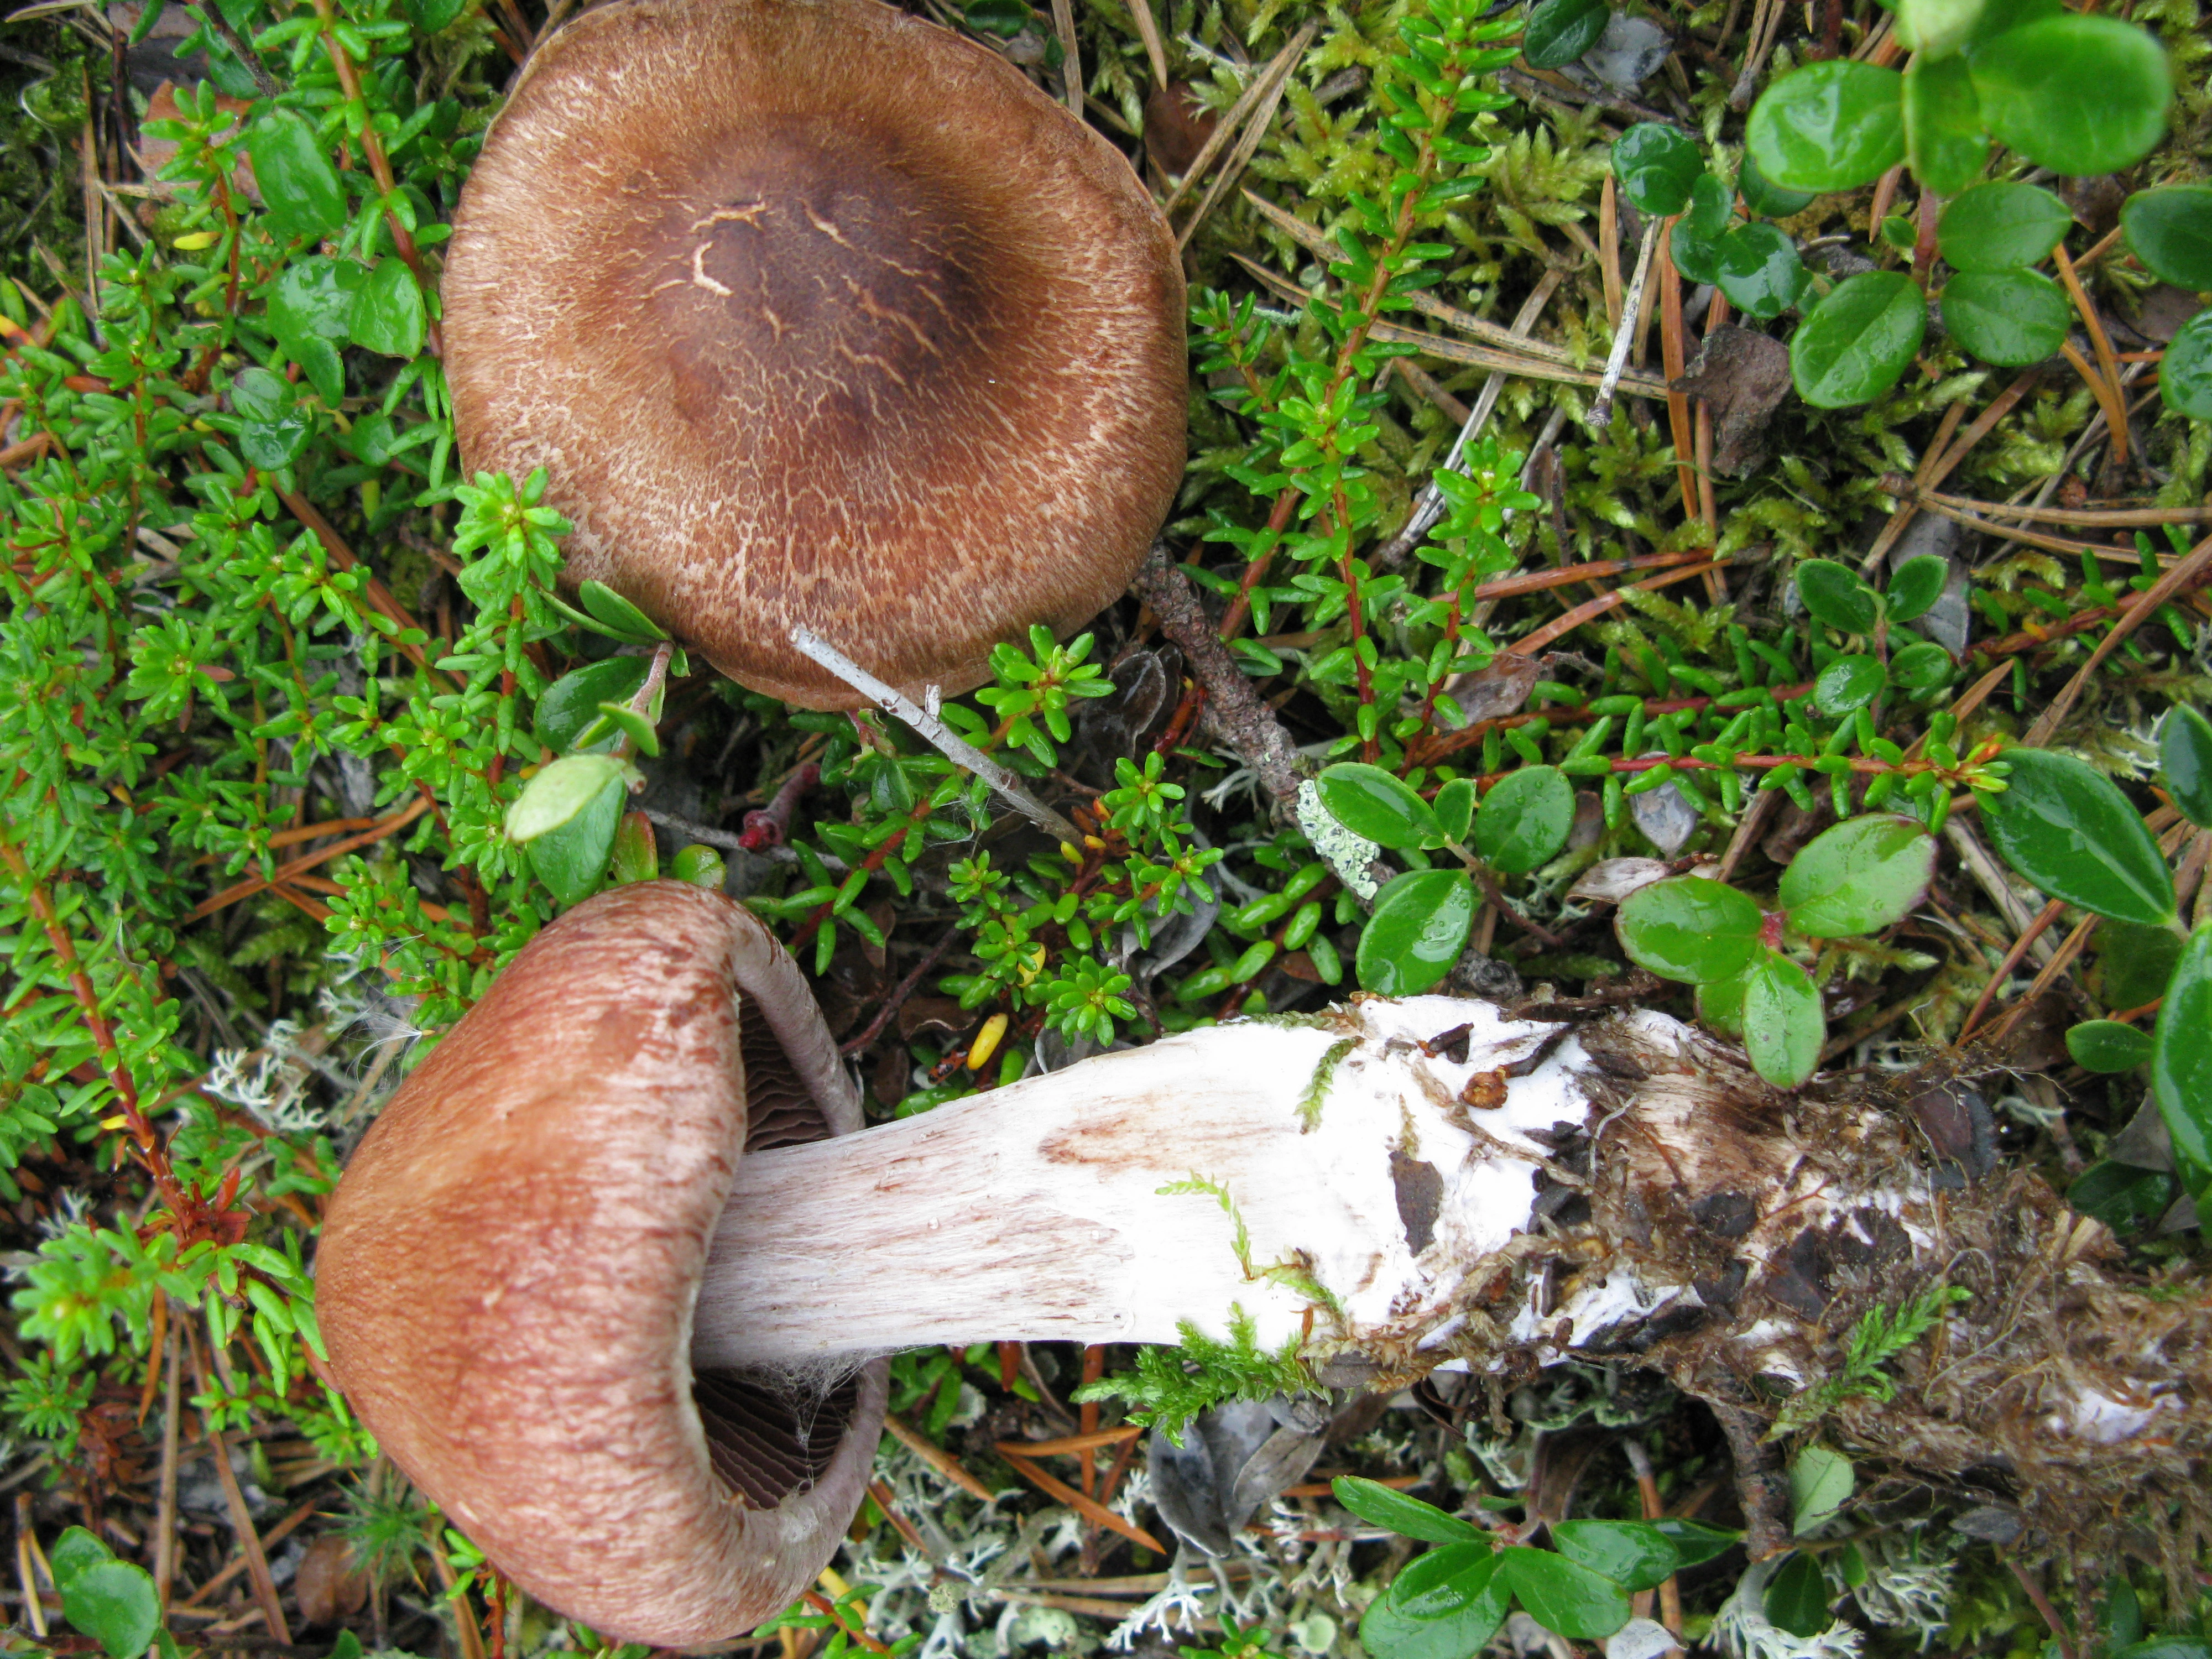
column 1247, row 728
column 241, row 1518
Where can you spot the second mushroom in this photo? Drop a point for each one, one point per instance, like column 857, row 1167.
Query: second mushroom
column 610, row 1278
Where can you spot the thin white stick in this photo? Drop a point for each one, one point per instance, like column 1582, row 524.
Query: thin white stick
column 1623, row 336
column 954, row 748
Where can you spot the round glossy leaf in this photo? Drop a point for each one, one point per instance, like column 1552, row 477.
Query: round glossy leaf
column 1921, row 667
column 1372, row 802
column 1656, row 167
column 1837, row 597
column 2181, row 1064
column 298, row 184
column 1008, row 18
column 1821, row 1482
column 1849, row 684
column 1689, row 928
column 2184, row 379
column 1797, row 1598
column 272, row 428
column 2001, row 17
column 1560, row 31
column 570, row 706
column 2170, row 230
column 1446, row 1605
column 1634, row 1554
column 1696, row 255
column 1784, row 1025
column 558, row 792
column 1916, row 585
column 1853, row 345
column 1563, row 1596
column 1998, row 227
column 2077, row 94
column 430, row 16
column 2184, row 759
column 1858, row 877
column 1409, row 1517
column 1417, row 930
column 311, row 314
column 1712, row 205
column 1525, row 819
column 76, row 1549
column 1762, row 197
column 115, row 1604
column 2067, row 829
column 1943, row 137
column 1937, row 28
column 2012, row 317
column 2105, row 1045
column 1759, row 269
column 387, row 314
column 1829, row 126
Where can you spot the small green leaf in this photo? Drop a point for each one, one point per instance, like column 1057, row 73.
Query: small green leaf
column 1525, row 819
column 114, row 1603
column 1562, row 1595
column 1634, row 1554
column 1712, row 205
column 433, row 16
column 1373, row 803
column 1821, row 1482
column 1004, row 18
column 1849, row 684
column 559, row 792
column 2079, row 96
column 2170, row 230
column 618, row 616
column 1797, row 1597
column 636, row 853
column 1916, row 587
column 1853, row 345
column 2123, row 1197
column 298, row 183
column 2135, row 962
column 1417, row 930
column 2184, row 758
column 73, row 1552
column 2067, row 829
column 571, row 859
column 1446, row 1605
column 1656, row 167
column 1758, row 268
column 1689, row 928
column 1937, row 28
column 1695, row 256
column 570, row 706
column 2002, row 227
column 1943, row 136
column 2010, row 318
column 1720, row 1005
column 1783, row 1024
column 1922, row 667
column 2105, row 1045
column 272, row 428
column 1762, row 197
column 1837, row 597
column 387, row 314
column 1834, row 125
column 1560, row 31
column 636, row 727
column 310, row 313
column 1858, row 877
column 2164, row 1647
column 2184, row 379
column 1455, row 808
column 1409, row 1517
column 1694, row 1542
column 2181, row 1064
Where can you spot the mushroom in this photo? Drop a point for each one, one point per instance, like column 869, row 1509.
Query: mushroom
column 550, row 1232
column 506, row 1273
column 816, row 313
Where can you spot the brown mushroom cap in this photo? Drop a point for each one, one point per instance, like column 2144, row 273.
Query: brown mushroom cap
column 817, row 314
column 508, row 1274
